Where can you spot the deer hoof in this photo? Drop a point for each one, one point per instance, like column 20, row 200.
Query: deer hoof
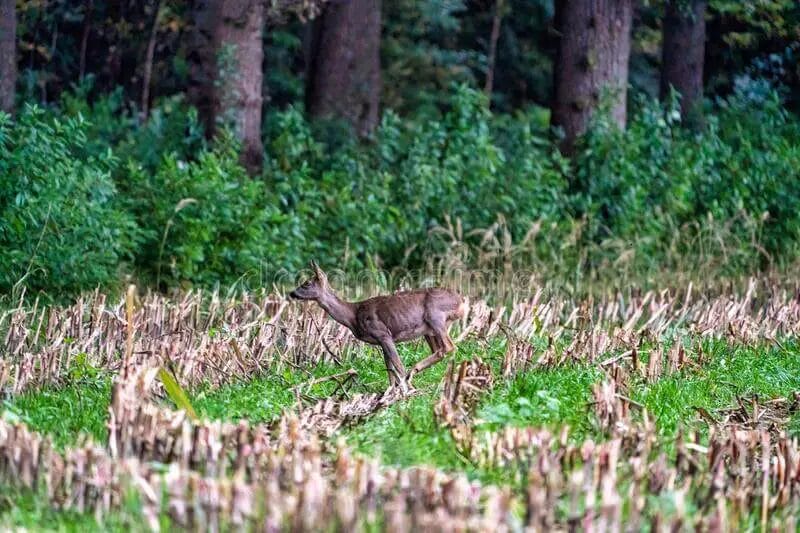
column 404, row 385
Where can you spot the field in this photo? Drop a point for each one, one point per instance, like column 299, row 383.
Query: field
column 660, row 410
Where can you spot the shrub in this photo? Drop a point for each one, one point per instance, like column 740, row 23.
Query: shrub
column 657, row 182
column 202, row 222
column 756, row 169
column 61, row 226
column 383, row 200
column 468, row 187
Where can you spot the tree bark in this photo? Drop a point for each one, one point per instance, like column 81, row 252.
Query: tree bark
column 87, row 28
column 684, row 45
column 148, row 62
column 8, row 55
column 594, row 43
column 492, row 56
column 226, row 71
column 344, row 78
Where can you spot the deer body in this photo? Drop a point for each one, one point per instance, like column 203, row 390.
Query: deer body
column 405, row 315
column 386, row 320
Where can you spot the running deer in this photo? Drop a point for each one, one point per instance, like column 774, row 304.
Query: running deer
column 387, row 320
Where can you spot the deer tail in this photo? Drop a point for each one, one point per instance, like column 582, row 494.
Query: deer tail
column 460, row 311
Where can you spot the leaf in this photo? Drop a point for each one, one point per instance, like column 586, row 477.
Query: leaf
column 176, row 392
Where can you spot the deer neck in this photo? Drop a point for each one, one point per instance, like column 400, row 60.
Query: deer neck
column 339, row 310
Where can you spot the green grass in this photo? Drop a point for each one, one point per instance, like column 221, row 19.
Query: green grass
column 75, row 410
column 552, row 398
column 406, row 433
column 732, row 371
column 23, row 509
column 265, row 397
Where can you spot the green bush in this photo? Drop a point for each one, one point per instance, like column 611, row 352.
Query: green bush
column 383, row 200
column 61, row 226
column 470, row 186
column 203, row 221
column 756, row 169
column 657, row 182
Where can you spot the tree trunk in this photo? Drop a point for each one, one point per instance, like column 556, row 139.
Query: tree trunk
column 492, row 56
column 344, row 78
column 684, row 45
column 148, row 62
column 8, row 55
column 226, row 57
column 87, row 28
column 592, row 57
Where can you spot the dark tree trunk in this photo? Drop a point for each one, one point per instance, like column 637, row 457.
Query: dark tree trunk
column 147, row 73
column 8, row 55
column 684, row 45
column 594, row 43
column 491, row 58
column 226, row 57
column 344, row 78
column 87, row 28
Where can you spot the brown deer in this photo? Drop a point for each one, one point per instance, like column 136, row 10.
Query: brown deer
column 387, row 320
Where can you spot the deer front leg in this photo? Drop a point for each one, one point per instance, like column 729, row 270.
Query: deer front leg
column 390, row 370
column 394, row 366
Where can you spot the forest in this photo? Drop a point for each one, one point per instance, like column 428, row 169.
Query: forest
column 610, row 189
column 201, row 144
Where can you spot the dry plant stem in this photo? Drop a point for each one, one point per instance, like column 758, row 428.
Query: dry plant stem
column 202, row 332
column 348, row 374
column 130, row 304
column 262, row 476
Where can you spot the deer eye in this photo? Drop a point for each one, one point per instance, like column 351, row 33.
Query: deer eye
column 307, row 284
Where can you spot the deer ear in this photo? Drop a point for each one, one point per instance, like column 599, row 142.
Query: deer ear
column 317, row 270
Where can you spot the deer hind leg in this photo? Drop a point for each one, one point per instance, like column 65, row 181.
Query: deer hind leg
column 449, row 346
column 433, row 342
column 438, row 349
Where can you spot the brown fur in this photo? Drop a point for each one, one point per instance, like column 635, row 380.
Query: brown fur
column 387, row 320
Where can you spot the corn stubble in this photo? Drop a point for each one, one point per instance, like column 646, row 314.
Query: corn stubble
column 292, row 474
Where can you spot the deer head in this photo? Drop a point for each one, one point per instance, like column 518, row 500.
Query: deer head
column 313, row 288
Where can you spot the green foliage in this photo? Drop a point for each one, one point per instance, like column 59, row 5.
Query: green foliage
column 87, row 200
column 384, row 199
column 427, row 45
column 176, row 392
column 758, row 168
column 171, row 128
column 61, row 227
column 420, row 43
column 657, row 180
column 203, row 221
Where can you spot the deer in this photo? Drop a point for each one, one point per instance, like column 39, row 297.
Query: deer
column 385, row 321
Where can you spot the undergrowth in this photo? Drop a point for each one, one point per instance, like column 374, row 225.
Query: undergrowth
column 82, row 207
